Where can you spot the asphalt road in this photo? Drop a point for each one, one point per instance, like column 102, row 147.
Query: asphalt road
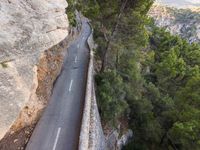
column 59, row 126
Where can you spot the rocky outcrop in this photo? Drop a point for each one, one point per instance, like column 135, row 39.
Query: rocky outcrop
column 183, row 22
column 48, row 69
column 28, row 63
column 117, row 142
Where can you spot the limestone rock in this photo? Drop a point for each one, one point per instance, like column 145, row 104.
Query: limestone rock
column 27, row 29
column 115, row 141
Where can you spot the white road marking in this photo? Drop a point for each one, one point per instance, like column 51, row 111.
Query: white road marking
column 70, row 87
column 76, row 59
column 78, row 46
column 56, row 140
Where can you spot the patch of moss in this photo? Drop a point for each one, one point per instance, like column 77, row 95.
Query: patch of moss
column 4, row 65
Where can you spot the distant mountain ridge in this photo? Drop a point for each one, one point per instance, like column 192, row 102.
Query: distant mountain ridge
column 183, row 22
column 179, row 3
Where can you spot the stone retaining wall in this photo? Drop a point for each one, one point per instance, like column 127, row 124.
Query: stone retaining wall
column 91, row 135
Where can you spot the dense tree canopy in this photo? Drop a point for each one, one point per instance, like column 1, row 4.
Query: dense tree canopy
column 176, row 71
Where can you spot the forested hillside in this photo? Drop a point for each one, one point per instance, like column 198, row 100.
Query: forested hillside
column 170, row 93
column 184, row 22
column 145, row 75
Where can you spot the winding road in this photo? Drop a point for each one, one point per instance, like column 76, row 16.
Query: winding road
column 59, row 126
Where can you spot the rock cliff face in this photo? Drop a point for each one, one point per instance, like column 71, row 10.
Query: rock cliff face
column 183, row 22
column 28, row 63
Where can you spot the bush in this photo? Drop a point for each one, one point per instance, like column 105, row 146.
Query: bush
column 70, row 11
column 110, row 94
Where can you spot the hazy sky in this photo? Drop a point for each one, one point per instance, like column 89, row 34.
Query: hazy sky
column 181, row 3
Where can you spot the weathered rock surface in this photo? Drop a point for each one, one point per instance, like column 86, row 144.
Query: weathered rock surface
column 115, row 141
column 48, row 68
column 27, row 29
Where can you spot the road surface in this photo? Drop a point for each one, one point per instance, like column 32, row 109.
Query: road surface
column 59, row 126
